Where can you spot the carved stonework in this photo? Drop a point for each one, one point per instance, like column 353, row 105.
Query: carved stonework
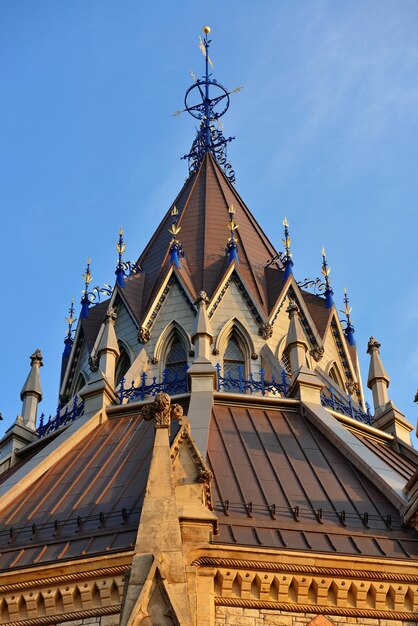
column 205, row 475
column 351, row 387
column 266, row 331
column 37, row 358
column 317, row 353
column 215, row 352
column 94, row 363
column 293, row 307
column 144, row 335
column 154, row 360
column 254, row 356
column 162, row 411
column 111, row 314
column 202, row 297
column 373, row 344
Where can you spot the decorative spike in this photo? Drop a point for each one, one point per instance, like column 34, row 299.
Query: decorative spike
column 349, row 329
column 68, row 341
column 287, row 259
column 176, row 249
column 85, row 302
column 120, row 269
column 328, row 293
column 232, row 245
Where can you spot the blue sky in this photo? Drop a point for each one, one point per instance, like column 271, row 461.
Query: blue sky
column 325, row 132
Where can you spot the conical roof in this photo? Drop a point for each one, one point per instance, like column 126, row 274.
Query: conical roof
column 202, row 206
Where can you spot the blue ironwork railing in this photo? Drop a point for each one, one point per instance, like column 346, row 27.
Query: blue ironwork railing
column 172, row 384
column 59, row 420
column 242, row 385
column 346, row 408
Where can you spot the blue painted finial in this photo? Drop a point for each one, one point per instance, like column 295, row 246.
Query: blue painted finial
column 207, row 100
column 232, row 245
column 120, row 270
column 328, row 293
column 85, row 301
column 68, row 341
column 287, row 258
column 349, row 329
column 176, row 249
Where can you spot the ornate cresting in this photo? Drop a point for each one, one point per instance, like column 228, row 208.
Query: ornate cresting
column 207, row 100
column 349, row 328
column 68, row 341
column 90, row 297
column 232, row 245
column 176, row 249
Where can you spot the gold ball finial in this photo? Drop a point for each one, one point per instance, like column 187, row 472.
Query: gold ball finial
column 206, row 30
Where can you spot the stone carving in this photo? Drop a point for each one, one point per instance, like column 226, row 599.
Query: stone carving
column 111, row 314
column 373, row 344
column 144, row 335
column 266, row 331
column 202, row 297
column 154, row 360
column 351, row 387
column 37, row 358
column 317, row 353
column 162, row 411
column 215, row 351
column 292, row 308
column 94, row 363
column 205, row 475
column 254, row 356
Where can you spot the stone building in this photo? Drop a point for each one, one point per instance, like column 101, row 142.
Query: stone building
column 213, row 461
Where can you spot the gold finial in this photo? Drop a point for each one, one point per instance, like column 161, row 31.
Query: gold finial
column 206, row 30
column 323, row 251
column 174, row 210
column 174, row 230
column 285, row 223
column 231, row 209
column 121, row 231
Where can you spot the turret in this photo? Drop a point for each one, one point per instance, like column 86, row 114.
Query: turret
column 31, row 393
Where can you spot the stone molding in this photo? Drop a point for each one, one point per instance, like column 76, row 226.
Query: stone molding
column 324, row 610
column 62, row 598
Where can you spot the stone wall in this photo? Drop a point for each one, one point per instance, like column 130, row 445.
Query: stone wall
column 104, row 620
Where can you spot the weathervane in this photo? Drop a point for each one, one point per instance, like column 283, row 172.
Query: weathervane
column 89, row 297
column 207, row 100
column 176, row 249
column 328, row 293
column 68, row 341
column 124, row 268
column 287, row 258
column 232, row 246
column 349, row 328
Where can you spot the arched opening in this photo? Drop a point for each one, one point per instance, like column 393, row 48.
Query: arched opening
column 334, row 373
column 123, row 363
column 234, row 359
column 176, row 360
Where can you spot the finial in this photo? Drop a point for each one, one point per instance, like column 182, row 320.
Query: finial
column 85, row 302
column 287, row 258
column 373, row 345
column 232, row 246
column 176, row 249
column 326, row 272
column 207, row 100
column 120, row 270
column 349, row 329
column 68, row 341
column 36, row 358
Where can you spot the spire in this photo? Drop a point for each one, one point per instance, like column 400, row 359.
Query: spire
column 207, row 100
column 296, row 344
column 108, row 349
column 31, row 393
column 349, row 329
column 176, row 249
column 120, row 270
column 68, row 341
column 287, row 258
column 85, row 302
column 328, row 293
column 377, row 380
column 232, row 246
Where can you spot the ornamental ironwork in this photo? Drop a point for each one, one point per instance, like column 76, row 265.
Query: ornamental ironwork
column 91, row 296
column 239, row 384
column 171, row 383
column 346, row 407
column 60, row 419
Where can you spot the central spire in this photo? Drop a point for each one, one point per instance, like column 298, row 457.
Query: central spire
column 207, row 100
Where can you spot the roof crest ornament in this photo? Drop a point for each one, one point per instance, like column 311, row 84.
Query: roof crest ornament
column 207, row 100
column 287, row 258
column 349, row 328
column 326, row 270
column 90, row 297
column 68, row 341
column 124, row 268
column 232, row 245
column 176, row 249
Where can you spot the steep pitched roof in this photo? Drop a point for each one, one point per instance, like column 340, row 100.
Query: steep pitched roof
column 203, row 217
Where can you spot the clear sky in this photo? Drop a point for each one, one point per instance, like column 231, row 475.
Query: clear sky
column 325, row 128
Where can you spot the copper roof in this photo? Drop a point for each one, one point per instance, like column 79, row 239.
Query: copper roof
column 280, row 483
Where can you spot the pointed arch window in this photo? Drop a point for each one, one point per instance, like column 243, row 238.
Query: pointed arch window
column 334, row 373
column 176, row 361
column 234, row 359
column 123, row 363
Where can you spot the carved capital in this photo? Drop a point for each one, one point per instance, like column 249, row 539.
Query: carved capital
column 266, row 331
column 162, row 411
column 317, row 353
column 144, row 335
